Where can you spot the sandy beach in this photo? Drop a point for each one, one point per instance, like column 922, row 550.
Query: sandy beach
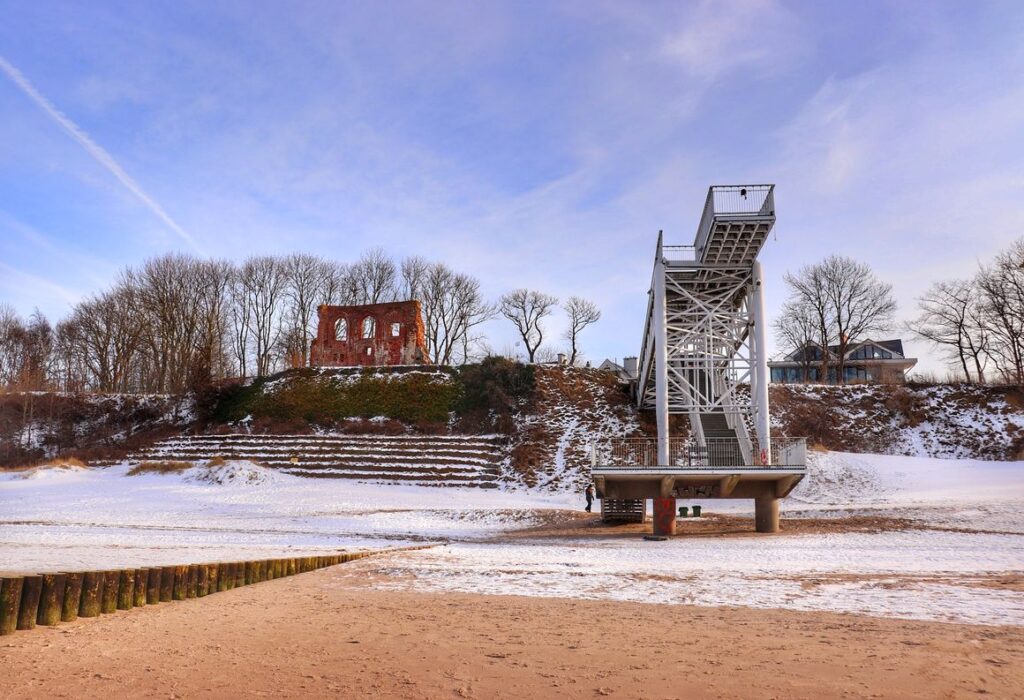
column 326, row 634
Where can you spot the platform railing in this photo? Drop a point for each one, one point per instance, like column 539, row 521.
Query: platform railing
column 734, row 200
column 684, row 453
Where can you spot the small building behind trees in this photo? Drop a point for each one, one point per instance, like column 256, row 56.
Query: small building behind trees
column 864, row 361
column 369, row 335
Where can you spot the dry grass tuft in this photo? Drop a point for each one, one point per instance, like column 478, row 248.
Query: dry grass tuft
column 164, row 467
column 64, row 462
column 216, row 461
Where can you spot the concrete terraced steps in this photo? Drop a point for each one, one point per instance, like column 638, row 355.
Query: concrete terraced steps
column 432, row 460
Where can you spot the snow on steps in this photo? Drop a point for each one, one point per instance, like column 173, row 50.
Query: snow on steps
column 429, row 460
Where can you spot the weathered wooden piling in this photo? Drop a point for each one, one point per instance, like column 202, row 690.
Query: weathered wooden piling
column 108, row 596
column 166, row 583
column 180, row 582
column 10, row 603
column 193, row 578
column 239, row 574
column 111, row 586
column 126, row 589
column 202, row 580
column 28, row 610
column 72, row 596
column 92, row 594
column 141, row 585
column 213, row 580
column 153, row 577
column 51, row 599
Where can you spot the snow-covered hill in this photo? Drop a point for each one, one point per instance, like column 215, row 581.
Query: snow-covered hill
column 949, row 421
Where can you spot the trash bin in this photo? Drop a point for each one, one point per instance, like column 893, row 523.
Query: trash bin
column 682, row 511
column 696, row 511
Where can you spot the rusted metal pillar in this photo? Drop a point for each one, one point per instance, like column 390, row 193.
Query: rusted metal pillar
column 664, row 516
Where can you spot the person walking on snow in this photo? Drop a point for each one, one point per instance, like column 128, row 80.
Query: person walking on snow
column 589, row 493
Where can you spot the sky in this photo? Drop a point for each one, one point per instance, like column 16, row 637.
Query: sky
column 531, row 144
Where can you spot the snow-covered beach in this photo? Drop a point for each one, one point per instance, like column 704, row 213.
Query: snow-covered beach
column 961, row 540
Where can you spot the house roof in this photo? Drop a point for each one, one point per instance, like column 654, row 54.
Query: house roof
column 894, row 345
column 613, row 366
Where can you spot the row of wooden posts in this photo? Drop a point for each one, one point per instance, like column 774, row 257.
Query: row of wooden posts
column 48, row 599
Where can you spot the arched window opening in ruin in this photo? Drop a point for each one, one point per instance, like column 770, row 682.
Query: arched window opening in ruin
column 369, row 351
column 369, row 327
column 396, row 330
column 341, row 329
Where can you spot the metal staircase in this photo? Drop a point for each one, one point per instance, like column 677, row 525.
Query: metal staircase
column 705, row 329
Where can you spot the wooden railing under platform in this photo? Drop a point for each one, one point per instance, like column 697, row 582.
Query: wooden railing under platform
column 629, row 510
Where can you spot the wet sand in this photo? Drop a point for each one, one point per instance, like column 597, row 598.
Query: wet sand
column 328, row 633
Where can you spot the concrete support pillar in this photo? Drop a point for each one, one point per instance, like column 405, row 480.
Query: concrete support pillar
column 766, row 513
column 660, row 355
column 759, row 374
column 664, row 516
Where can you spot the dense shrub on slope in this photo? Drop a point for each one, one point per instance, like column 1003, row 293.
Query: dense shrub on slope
column 492, row 393
column 36, row 426
column 323, row 396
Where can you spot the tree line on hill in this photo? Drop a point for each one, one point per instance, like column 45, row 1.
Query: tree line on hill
column 178, row 322
column 977, row 322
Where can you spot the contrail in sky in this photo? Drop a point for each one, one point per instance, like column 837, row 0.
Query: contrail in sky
column 98, row 153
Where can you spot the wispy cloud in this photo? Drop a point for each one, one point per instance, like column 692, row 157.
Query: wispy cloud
column 717, row 37
column 98, row 153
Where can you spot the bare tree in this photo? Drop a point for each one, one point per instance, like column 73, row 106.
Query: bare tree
column 240, row 319
column 307, row 280
column 797, row 330
column 12, row 331
column 1002, row 297
column 414, row 274
column 951, row 318
column 846, row 302
column 264, row 281
column 809, row 293
column 373, row 277
column 109, row 336
column 526, row 309
column 861, row 304
column 452, row 307
column 582, row 313
column 170, row 289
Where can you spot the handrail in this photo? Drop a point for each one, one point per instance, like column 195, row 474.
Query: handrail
column 734, row 200
column 642, row 453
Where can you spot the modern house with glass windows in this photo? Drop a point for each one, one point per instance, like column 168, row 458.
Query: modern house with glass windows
column 866, row 361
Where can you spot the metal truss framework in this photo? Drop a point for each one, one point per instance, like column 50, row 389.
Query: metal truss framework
column 704, row 335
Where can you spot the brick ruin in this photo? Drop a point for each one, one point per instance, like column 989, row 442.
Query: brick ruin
column 369, row 335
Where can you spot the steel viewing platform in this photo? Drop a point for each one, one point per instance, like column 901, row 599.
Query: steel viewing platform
column 704, row 344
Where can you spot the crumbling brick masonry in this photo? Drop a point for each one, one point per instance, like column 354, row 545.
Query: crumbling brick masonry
column 373, row 334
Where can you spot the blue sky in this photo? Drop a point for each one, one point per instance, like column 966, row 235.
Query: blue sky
column 535, row 144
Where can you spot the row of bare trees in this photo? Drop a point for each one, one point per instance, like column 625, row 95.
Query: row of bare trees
column 832, row 304
column 978, row 322
column 527, row 309
column 178, row 322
